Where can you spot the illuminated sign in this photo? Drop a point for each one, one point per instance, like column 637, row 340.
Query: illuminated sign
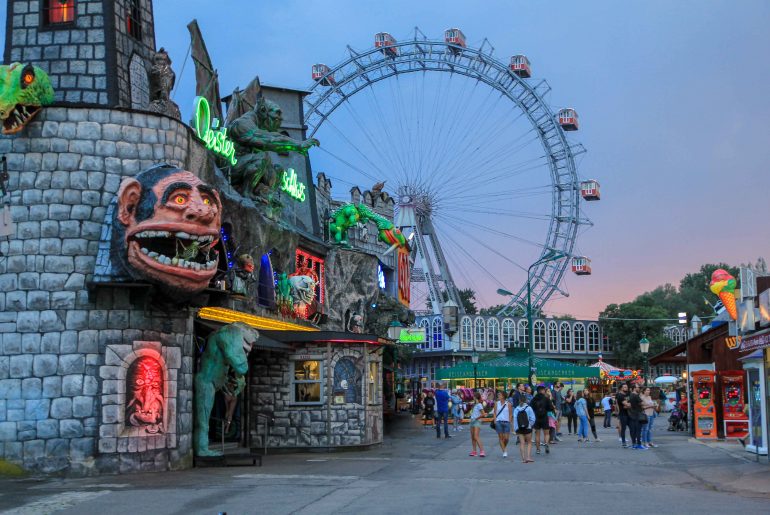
column 291, row 185
column 412, row 335
column 404, row 284
column 380, row 277
column 764, row 308
column 209, row 132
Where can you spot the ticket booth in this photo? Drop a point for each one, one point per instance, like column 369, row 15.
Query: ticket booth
column 705, row 413
column 735, row 420
column 755, row 388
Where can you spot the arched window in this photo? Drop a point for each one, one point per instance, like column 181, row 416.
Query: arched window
column 553, row 337
column 539, row 335
column 523, row 334
column 509, row 333
column 57, row 12
column 565, row 333
column 139, row 82
column 479, row 338
column 594, row 338
column 580, row 337
column 424, row 323
column 438, row 333
column 493, row 332
column 466, row 334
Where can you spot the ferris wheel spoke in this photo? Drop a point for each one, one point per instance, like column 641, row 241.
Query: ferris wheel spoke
column 493, row 231
column 384, row 125
column 352, row 145
column 493, row 174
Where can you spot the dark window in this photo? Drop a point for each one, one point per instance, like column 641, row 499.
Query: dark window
column 56, row 12
column 134, row 19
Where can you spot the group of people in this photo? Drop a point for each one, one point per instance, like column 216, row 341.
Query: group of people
column 524, row 414
column 637, row 411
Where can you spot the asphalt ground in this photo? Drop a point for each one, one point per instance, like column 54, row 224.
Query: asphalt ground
column 415, row 472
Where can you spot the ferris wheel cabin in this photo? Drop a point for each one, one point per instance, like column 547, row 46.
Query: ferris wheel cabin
column 321, row 73
column 386, row 43
column 520, row 66
column 581, row 265
column 456, row 38
column 568, row 119
column 589, row 190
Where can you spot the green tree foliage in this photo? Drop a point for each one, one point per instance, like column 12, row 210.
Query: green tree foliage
column 467, row 298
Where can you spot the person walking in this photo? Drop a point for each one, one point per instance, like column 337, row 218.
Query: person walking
column 442, row 411
column 621, row 401
column 634, row 416
column 477, row 412
column 540, row 406
column 607, row 407
column 551, row 418
column 503, row 418
column 523, row 422
column 569, row 411
column 581, row 412
column 558, row 402
column 650, row 408
column 457, row 411
column 591, row 406
column 429, row 409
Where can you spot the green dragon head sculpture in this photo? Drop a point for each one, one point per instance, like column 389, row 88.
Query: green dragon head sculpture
column 24, row 89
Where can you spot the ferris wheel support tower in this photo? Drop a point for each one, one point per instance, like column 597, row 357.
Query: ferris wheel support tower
column 414, row 212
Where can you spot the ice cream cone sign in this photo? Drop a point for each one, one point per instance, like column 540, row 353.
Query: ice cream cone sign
column 723, row 285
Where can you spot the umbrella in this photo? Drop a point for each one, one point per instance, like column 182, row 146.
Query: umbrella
column 666, row 379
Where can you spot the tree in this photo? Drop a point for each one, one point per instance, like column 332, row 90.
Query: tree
column 491, row 310
column 625, row 324
column 467, row 299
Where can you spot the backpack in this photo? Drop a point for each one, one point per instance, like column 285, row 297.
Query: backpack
column 522, row 419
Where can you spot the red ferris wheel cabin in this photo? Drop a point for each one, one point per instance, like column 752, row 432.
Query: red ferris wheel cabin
column 520, row 66
column 581, row 265
column 589, row 190
column 321, row 73
column 454, row 37
column 568, row 119
column 386, row 43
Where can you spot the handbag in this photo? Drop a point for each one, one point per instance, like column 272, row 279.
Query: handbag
column 492, row 424
column 643, row 418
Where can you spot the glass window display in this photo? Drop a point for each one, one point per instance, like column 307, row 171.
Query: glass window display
column 308, row 375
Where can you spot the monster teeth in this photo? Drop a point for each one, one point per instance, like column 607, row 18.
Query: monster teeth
column 145, row 251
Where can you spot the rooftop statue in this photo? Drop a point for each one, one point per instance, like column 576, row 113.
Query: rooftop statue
column 162, row 79
column 350, row 215
column 256, row 133
column 23, row 92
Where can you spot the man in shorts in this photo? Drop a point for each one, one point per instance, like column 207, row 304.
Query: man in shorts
column 558, row 402
column 540, row 406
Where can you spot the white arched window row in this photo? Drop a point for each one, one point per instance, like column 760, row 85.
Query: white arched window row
column 539, row 335
column 523, row 334
column 579, row 337
column 428, row 336
column 594, row 338
column 479, row 338
column 509, row 333
column 553, row 337
column 438, row 333
column 466, row 334
column 565, row 337
column 493, row 334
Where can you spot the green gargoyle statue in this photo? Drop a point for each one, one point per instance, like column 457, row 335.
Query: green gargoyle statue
column 24, row 90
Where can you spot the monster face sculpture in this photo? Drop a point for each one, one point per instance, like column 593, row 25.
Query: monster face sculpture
column 23, row 91
column 145, row 394
column 165, row 227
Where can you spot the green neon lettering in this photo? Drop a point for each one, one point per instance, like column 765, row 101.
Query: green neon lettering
column 406, row 336
column 209, row 132
column 291, row 185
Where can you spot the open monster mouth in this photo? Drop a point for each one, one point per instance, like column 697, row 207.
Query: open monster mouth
column 179, row 249
column 18, row 118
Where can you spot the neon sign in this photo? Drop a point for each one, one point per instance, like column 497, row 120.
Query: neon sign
column 412, row 335
column 404, row 286
column 291, row 185
column 209, row 132
column 380, row 277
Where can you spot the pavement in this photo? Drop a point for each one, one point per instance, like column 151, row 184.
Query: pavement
column 416, row 472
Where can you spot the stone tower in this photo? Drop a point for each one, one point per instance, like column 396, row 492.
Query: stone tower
column 96, row 52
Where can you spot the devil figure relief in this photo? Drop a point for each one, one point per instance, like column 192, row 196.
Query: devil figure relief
column 165, row 228
column 145, row 394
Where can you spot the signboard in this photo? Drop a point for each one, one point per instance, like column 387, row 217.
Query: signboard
column 404, row 276
column 292, row 186
column 208, row 131
column 764, row 308
column 746, row 315
column 755, row 342
column 748, row 283
column 412, row 335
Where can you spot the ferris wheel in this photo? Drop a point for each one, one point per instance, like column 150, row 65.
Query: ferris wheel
column 481, row 167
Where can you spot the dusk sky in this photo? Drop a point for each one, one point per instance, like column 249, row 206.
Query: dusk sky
column 673, row 99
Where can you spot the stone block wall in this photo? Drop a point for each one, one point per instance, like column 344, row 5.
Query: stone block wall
column 331, row 424
column 64, row 170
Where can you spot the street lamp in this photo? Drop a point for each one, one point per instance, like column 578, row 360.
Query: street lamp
column 394, row 329
column 551, row 255
column 475, row 360
column 644, row 346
